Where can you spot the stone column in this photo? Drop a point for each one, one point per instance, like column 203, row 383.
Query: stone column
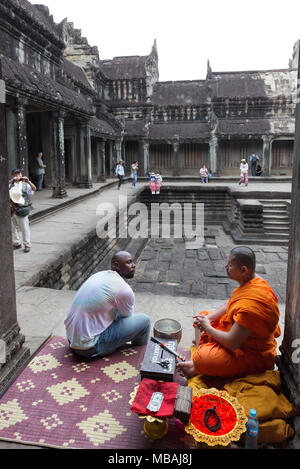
column 58, row 173
column 175, row 156
column 290, row 350
column 111, row 157
column 146, row 157
column 12, row 353
column 266, row 155
column 85, row 155
column 101, row 160
column 213, row 152
column 118, row 148
column 22, row 149
column 143, row 157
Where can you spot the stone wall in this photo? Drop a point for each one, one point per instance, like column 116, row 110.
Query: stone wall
column 84, row 259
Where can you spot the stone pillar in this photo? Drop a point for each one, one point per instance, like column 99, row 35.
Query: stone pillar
column 111, row 157
column 143, row 157
column 266, row 155
column 175, row 156
column 22, row 149
column 146, row 157
column 85, row 156
column 289, row 362
column 12, row 353
column 213, row 152
column 118, row 148
column 101, row 160
column 58, row 173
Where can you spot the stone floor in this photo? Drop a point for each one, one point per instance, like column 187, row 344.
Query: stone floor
column 166, row 267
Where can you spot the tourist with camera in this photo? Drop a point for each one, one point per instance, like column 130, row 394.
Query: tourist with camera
column 20, row 188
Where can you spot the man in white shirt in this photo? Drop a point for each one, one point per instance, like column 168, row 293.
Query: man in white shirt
column 101, row 317
column 120, row 172
column 20, row 188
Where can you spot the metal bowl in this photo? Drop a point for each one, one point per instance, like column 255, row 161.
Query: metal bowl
column 167, row 329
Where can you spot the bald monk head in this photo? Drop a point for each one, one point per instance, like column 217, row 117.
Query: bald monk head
column 122, row 262
column 241, row 264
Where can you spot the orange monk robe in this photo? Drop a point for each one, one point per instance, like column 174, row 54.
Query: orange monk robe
column 255, row 307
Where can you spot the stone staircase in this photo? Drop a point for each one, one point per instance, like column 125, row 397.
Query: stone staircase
column 276, row 220
column 267, row 222
column 217, row 201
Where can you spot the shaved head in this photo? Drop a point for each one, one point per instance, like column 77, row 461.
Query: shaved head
column 244, row 256
column 118, row 257
column 122, row 262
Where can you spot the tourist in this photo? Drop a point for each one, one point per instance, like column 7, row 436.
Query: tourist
column 253, row 160
column 152, row 184
column 40, row 171
column 158, row 183
column 204, row 174
column 119, row 171
column 101, row 317
column 20, row 188
column 237, row 338
column 134, row 169
column 244, row 172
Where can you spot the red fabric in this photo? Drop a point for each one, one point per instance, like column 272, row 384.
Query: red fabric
column 144, row 393
column 224, row 409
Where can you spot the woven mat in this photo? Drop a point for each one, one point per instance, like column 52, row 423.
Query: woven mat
column 60, row 401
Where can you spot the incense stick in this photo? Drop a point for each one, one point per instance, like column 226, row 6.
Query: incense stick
column 167, row 349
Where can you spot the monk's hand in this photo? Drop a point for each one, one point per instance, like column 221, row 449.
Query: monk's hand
column 203, row 323
column 197, row 322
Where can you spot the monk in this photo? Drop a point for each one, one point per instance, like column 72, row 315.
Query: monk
column 238, row 338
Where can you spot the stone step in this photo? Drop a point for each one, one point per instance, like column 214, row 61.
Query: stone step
column 275, row 216
column 271, row 235
column 275, row 207
column 284, row 226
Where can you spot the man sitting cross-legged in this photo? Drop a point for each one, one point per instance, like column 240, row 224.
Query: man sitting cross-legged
column 101, row 317
column 239, row 337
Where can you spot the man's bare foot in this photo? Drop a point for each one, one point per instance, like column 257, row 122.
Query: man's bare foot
column 186, row 369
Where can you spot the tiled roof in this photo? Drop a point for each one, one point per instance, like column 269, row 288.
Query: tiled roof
column 179, row 92
column 237, row 84
column 102, row 127
column 124, row 67
column 23, row 77
column 76, row 73
column 135, row 128
column 243, row 127
column 186, row 130
column 39, row 14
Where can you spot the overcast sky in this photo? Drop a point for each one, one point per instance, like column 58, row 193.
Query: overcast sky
column 232, row 34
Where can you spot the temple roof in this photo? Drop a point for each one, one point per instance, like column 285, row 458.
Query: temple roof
column 252, row 84
column 135, row 127
column 124, row 67
column 185, row 130
column 103, row 127
column 179, row 92
column 237, row 84
column 76, row 73
column 23, row 77
column 243, row 127
column 40, row 15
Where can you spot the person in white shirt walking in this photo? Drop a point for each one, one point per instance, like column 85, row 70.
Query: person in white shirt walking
column 120, row 172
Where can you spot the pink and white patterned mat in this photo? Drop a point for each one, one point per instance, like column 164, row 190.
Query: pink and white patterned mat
column 60, row 401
